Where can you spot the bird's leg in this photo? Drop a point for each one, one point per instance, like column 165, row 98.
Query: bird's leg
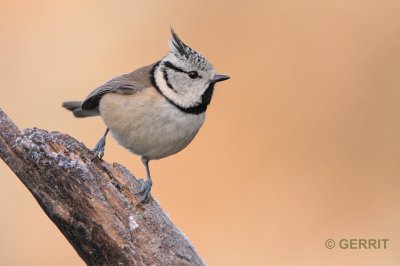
column 99, row 148
column 144, row 192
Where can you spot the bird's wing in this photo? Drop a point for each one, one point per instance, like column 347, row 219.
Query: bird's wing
column 125, row 84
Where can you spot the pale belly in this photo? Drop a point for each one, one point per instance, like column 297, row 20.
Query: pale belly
column 148, row 125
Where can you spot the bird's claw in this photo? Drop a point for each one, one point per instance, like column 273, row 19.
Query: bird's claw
column 143, row 194
column 98, row 153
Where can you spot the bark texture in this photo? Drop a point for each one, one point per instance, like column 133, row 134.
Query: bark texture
column 92, row 203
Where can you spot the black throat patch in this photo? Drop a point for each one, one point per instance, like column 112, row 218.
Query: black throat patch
column 197, row 109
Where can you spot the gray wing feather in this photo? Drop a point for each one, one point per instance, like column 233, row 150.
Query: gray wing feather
column 125, row 84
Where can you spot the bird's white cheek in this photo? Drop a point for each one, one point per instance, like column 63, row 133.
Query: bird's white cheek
column 162, row 85
column 190, row 97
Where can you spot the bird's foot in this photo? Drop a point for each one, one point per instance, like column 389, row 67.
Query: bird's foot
column 99, row 148
column 98, row 151
column 143, row 194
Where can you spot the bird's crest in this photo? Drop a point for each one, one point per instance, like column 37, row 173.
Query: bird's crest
column 181, row 50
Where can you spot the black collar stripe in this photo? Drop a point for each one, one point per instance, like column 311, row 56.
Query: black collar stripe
column 199, row 108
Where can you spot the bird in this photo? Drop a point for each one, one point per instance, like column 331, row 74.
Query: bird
column 154, row 111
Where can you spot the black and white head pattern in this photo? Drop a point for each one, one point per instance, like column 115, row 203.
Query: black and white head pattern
column 184, row 77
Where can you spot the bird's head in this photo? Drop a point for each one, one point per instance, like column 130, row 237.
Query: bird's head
column 185, row 77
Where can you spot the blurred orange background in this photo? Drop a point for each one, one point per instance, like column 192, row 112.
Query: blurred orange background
column 301, row 145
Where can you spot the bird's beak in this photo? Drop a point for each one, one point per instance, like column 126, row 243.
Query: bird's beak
column 218, row 78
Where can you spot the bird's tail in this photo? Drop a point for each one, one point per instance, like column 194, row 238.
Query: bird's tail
column 76, row 108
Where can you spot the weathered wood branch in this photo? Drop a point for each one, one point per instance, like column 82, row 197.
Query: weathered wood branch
column 92, row 203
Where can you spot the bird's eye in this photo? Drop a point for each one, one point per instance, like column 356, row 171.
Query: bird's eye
column 193, row 74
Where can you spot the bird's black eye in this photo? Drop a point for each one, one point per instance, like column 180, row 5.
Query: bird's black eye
column 193, row 74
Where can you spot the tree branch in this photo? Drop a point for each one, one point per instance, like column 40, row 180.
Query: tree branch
column 92, row 203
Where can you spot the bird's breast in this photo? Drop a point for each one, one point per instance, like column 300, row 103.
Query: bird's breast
column 147, row 124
